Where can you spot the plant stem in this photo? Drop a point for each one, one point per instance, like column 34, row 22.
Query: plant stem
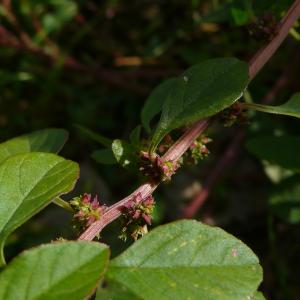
column 145, row 190
column 231, row 153
column 266, row 52
column 260, row 107
column 180, row 146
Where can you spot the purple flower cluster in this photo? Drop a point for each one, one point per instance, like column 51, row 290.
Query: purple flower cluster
column 87, row 210
column 138, row 208
column 233, row 114
column 265, row 28
column 155, row 168
column 137, row 214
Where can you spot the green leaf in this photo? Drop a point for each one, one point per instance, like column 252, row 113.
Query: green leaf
column 95, row 136
column 290, row 108
column 114, row 291
column 281, row 150
column 124, row 154
column 29, row 182
column 285, row 199
column 240, row 16
column 135, row 135
column 63, row 270
column 155, row 101
column 188, row 260
column 104, row 156
column 258, row 296
column 200, row 92
column 47, row 140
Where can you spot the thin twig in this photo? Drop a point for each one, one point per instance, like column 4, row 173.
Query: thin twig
column 230, row 153
column 255, row 65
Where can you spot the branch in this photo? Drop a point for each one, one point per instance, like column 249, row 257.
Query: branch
column 145, row 190
column 231, row 153
column 264, row 54
column 255, row 65
column 216, row 172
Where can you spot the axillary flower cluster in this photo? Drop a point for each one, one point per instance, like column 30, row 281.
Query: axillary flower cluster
column 155, row 168
column 198, row 150
column 137, row 214
column 234, row 114
column 87, row 210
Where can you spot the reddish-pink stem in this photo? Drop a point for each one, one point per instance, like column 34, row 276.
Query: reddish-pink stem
column 265, row 53
column 180, row 146
column 226, row 158
column 231, row 153
column 145, row 190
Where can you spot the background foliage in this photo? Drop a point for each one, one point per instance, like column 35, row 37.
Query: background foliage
column 69, row 63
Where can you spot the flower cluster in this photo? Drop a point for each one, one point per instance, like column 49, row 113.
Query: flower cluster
column 155, row 168
column 265, row 28
column 233, row 114
column 199, row 150
column 137, row 214
column 87, row 210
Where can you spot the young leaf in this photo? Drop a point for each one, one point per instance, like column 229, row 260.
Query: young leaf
column 188, row 260
column 63, row 270
column 200, row 92
column 46, row 140
column 281, row 150
column 155, row 101
column 124, row 153
column 28, row 182
column 290, row 108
